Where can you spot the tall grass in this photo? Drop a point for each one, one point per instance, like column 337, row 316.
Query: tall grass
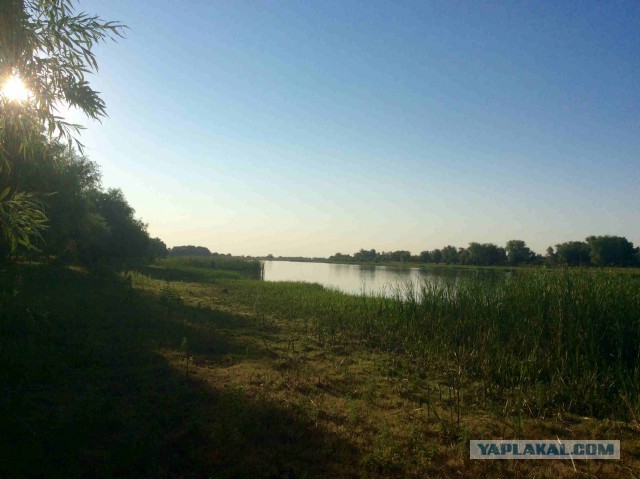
column 563, row 340
column 566, row 340
column 250, row 268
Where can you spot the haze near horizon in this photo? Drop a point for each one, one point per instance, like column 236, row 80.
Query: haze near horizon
column 304, row 129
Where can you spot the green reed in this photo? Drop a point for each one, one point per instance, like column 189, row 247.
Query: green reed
column 564, row 340
column 250, row 268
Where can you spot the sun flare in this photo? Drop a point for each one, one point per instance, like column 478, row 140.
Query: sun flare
column 14, row 89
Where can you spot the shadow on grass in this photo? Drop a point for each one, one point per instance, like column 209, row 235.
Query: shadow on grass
column 85, row 393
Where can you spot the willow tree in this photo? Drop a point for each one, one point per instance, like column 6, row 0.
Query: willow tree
column 46, row 53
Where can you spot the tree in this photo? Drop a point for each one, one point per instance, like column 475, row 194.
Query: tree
column 425, row 257
column 486, row 254
column 156, row 248
column 65, row 181
column 47, row 47
column 611, row 251
column 190, row 250
column 341, row 258
column 399, row 256
column 463, row 256
column 449, row 254
column 127, row 235
column 573, row 253
column 551, row 258
column 518, row 252
column 86, row 224
column 365, row 256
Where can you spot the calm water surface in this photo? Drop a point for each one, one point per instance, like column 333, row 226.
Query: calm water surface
column 356, row 279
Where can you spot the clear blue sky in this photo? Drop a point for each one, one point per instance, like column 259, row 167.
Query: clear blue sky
column 308, row 128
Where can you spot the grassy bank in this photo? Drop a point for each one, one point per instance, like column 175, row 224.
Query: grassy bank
column 252, row 269
column 565, row 340
column 191, row 371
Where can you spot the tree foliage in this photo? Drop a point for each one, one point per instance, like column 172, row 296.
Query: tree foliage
column 550, row 258
column 399, row 256
column 189, row 250
column 22, row 218
column 50, row 48
column 449, row 254
column 341, row 258
column 573, row 253
column 127, row 236
column 485, row 254
column 611, row 251
column 86, row 224
column 425, row 257
column 365, row 255
column 596, row 251
column 518, row 252
column 156, row 249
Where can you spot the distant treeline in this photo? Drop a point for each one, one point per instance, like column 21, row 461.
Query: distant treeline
column 190, row 250
column 594, row 251
column 298, row 259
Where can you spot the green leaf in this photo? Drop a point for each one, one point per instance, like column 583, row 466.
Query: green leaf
column 4, row 193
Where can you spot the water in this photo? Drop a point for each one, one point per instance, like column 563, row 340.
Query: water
column 356, row 279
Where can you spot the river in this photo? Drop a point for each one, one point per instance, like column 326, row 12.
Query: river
column 356, row 279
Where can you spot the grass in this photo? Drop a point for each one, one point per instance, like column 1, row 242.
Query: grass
column 566, row 340
column 188, row 371
column 221, row 264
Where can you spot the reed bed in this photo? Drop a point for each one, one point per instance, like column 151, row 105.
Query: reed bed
column 558, row 340
column 249, row 268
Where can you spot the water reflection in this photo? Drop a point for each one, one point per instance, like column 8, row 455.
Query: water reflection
column 356, row 279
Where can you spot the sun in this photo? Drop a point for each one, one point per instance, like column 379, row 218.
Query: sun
column 14, row 89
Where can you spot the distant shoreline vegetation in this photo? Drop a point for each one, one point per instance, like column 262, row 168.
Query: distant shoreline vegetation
column 594, row 251
column 199, row 257
column 602, row 251
column 599, row 251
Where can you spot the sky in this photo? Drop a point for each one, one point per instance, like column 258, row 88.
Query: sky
column 310, row 128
